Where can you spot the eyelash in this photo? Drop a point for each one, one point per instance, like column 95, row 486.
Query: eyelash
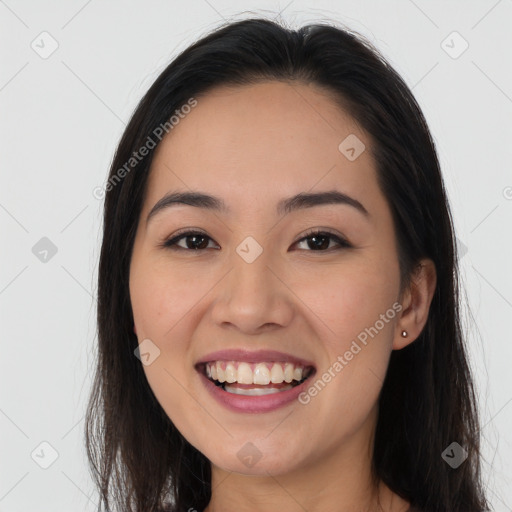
column 171, row 243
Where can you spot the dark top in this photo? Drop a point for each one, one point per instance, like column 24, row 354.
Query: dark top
column 410, row 509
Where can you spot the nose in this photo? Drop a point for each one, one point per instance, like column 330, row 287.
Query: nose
column 253, row 297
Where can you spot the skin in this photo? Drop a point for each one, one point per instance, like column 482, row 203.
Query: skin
column 252, row 146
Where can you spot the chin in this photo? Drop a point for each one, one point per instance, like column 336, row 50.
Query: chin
column 254, row 461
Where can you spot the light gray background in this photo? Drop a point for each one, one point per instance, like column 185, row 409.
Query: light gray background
column 61, row 119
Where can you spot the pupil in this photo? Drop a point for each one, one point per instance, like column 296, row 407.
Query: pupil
column 193, row 245
column 321, row 245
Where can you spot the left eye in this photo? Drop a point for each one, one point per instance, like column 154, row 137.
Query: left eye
column 321, row 240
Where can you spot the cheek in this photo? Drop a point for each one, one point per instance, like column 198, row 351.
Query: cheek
column 348, row 298
column 169, row 381
column 350, row 308
column 163, row 309
column 166, row 303
column 162, row 296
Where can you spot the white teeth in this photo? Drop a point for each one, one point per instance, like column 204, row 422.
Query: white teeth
column 220, row 373
column 255, row 391
column 261, row 374
column 277, row 374
column 244, row 374
column 288, row 372
column 231, row 373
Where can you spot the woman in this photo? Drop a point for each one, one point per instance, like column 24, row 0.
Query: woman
column 278, row 315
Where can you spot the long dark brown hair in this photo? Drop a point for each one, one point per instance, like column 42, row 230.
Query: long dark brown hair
column 139, row 460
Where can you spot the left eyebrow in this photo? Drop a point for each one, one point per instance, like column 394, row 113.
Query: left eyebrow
column 308, row 200
column 284, row 206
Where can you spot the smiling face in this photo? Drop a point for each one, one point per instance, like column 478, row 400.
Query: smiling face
column 255, row 280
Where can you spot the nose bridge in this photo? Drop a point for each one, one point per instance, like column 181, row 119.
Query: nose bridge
column 251, row 295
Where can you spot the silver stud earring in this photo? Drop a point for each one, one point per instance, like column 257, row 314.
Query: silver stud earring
column 404, row 334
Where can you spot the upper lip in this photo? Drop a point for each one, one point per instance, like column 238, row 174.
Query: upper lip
column 254, row 356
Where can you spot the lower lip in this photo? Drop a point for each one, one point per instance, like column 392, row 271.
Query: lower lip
column 254, row 404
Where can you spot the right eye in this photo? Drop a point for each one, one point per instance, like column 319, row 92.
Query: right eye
column 193, row 241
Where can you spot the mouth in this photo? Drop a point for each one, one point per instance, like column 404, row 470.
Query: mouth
column 254, row 382
column 255, row 379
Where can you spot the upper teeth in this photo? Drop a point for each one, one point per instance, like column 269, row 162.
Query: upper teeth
column 254, row 373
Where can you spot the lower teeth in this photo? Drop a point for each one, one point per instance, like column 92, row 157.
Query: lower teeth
column 254, row 391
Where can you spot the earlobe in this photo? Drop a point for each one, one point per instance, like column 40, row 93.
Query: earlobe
column 417, row 300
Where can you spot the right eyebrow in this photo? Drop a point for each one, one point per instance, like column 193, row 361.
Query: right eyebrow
column 197, row 199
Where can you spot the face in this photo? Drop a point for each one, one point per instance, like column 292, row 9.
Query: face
column 253, row 292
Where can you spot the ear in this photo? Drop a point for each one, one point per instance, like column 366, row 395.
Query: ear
column 416, row 303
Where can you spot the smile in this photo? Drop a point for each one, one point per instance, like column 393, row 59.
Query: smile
column 254, row 381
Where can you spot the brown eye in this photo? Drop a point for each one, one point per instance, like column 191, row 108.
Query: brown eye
column 321, row 241
column 193, row 240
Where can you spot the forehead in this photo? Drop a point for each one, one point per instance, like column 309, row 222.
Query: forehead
column 262, row 142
